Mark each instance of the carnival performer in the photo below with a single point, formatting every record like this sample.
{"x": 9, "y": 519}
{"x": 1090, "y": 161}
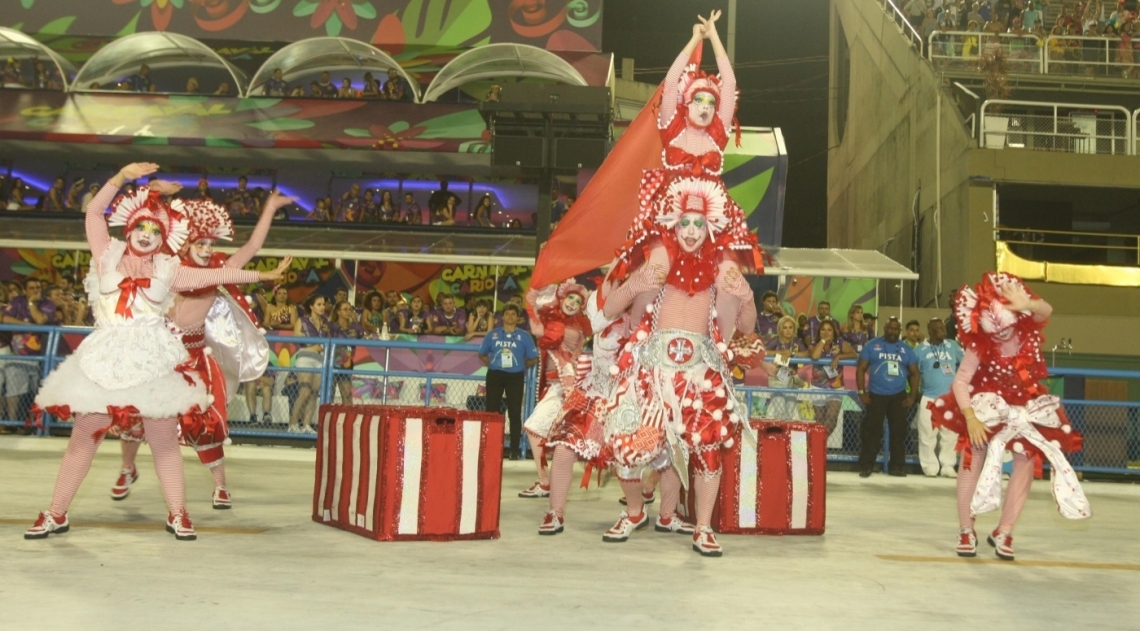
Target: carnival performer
{"x": 560, "y": 329}
{"x": 576, "y": 433}
{"x": 220, "y": 333}
{"x": 997, "y": 403}
{"x": 132, "y": 369}
{"x": 680, "y": 272}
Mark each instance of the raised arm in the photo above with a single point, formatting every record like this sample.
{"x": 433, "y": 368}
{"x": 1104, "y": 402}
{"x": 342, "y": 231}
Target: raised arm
{"x": 1020, "y": 300}
{"x": 96, "y": 224}
{"x": 246, "y": 252}
{"x": 669, "y": 96}
{"x": 727, "y": 100}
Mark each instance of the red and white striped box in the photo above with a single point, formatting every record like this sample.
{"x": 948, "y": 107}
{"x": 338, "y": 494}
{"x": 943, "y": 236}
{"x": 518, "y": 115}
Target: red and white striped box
{"x": 776, "y": 486}
{"x": 409, "y": 474}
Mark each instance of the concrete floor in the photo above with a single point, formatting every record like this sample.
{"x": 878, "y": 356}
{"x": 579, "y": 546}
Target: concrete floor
{"x": 886, "y": 562}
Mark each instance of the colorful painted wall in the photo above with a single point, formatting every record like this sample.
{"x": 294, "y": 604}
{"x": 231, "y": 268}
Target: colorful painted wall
{"x": 571, "y": 25}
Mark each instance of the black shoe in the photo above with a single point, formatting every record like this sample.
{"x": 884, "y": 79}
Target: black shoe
{"x": 515, "y": 455}
{"x": 865, "y": 472}
{"x": 897, "y": 473}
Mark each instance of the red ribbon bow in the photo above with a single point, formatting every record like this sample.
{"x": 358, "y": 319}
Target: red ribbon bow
{"x": 128, "y": 287}
{"x": 710, "y": 161}
{"x": 122, "y": 419}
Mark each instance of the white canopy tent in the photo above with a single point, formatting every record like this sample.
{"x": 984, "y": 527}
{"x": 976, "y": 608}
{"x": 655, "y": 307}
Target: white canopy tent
{"x": 17, "y": 45}
{"x": 496, "y": 61}
{"x": 839, "y": 264}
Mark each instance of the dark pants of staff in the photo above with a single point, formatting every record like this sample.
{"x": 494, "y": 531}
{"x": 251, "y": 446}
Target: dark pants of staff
{"x": 512, "y": 383}
{"x": 871, "y": 434}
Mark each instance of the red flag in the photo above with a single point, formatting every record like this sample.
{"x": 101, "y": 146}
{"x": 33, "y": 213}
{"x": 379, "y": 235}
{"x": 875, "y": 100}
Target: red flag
{"x": 587, "y": 236}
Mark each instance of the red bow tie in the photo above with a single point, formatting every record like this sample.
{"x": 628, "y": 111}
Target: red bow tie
{"x": 128, "y": 287}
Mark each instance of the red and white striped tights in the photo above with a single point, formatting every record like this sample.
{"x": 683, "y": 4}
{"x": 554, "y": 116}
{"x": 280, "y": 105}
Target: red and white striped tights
{"x": 162, "y": 434}
{"x": 1016, "y": 492}
{"x": 218, "y": 470}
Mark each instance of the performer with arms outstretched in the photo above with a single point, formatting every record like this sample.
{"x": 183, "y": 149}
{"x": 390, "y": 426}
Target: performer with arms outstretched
{"x": 131, "y": 369}
{"x": 239, "y": 353}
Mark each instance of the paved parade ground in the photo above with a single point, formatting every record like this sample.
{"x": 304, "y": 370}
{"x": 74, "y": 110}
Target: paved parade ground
{"x": 887, "y": 561}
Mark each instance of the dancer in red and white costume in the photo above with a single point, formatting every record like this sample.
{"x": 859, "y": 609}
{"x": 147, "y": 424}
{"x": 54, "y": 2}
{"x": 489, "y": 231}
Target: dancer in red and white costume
{"x": 576, "y": 433}
{"x": 680, "y": 273}
{"x": 127, "y": 372}
{"x": 220, "y": 333}
{"x": 561, "y": 330}
{"x": 997, "y": 403}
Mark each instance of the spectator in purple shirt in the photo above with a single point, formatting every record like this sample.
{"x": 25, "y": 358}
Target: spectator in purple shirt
{"x": 769, "y": 319}
{"x": 345, "y": 324}
{"x": 21, "y": 378}
{"x": 447, "y": 319}
{"x": 822, "y": 313}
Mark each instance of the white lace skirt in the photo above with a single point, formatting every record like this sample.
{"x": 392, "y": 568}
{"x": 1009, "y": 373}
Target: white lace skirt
{"x": 539, "y": 423}
{"x": 131, "y": 364}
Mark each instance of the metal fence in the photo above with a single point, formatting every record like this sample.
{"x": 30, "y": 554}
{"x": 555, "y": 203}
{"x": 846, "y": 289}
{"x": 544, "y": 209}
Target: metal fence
{"x": 1088, "y": 56}
{"x": 905, "y": 27}
{"x": 964, "y": 50}
{"x": 1111, "y": 429}
{"x": 1069, "y": 55}
{"x": 1064, "y": 127}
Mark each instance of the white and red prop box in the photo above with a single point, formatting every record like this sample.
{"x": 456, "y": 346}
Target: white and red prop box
{"x": 409, "y": 474}
{"x": 777, "y": 486}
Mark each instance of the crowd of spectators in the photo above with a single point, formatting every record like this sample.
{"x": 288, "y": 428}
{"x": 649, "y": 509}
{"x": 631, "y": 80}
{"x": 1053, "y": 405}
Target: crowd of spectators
{"x": 74, "y": 196}
{"x": 380, "y": 206}
{"x": 34, "y": 73}
{"x": 1075, "y": 31}
{"x": 358, "y": 204}
{"x": 395, "y": 88}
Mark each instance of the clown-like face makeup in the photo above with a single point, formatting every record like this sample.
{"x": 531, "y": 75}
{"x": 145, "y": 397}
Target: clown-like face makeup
{"x": 702, "y": 109}
{"x": 201, "y": 251}
{"x": 572, "y": 304}
{"x": 145, "y": 237}
{"x": 692, "y": 230}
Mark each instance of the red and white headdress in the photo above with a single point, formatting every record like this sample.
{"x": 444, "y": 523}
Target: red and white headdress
{"x": 147, "y": 205}
{"x": 982, "y": 312}
{"x": 694, "y": 80}
{"x": 569, "y": 286}
{"x": 208, "y": 220}
{"x": 694, "y": 195}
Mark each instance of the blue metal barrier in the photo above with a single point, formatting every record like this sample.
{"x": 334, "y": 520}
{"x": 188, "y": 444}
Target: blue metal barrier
{"x": 1111, "y": 429}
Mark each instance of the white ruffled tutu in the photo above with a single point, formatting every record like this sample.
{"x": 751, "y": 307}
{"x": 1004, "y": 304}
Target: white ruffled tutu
{"x": 129, "y": 364}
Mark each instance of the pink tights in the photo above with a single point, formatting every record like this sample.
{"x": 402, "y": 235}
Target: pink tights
{"x": 162, "y": 434}
{"x": 706, "y": 490}
{"x": 670, "y": 484}
{"x": 213, "y": 459}
{"x": 561, "y": 476}
{"x": 542, "y": 472}
{"x": 1016, "y": 492}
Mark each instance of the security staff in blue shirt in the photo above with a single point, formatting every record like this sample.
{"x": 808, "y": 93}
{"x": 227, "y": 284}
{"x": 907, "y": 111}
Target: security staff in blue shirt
{"x": 892, "y": 364}
{"x": 507, "y": 352}
{"x": 938, "y": 361}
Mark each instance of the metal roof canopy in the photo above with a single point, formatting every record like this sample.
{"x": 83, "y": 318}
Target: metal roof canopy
{"x": 158, "y": 49}
{"x": 333, "y": 54}
{"x": 494, "y": 61}
{"x": 836, "y": 264}
{"x": 13, "y": 43}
